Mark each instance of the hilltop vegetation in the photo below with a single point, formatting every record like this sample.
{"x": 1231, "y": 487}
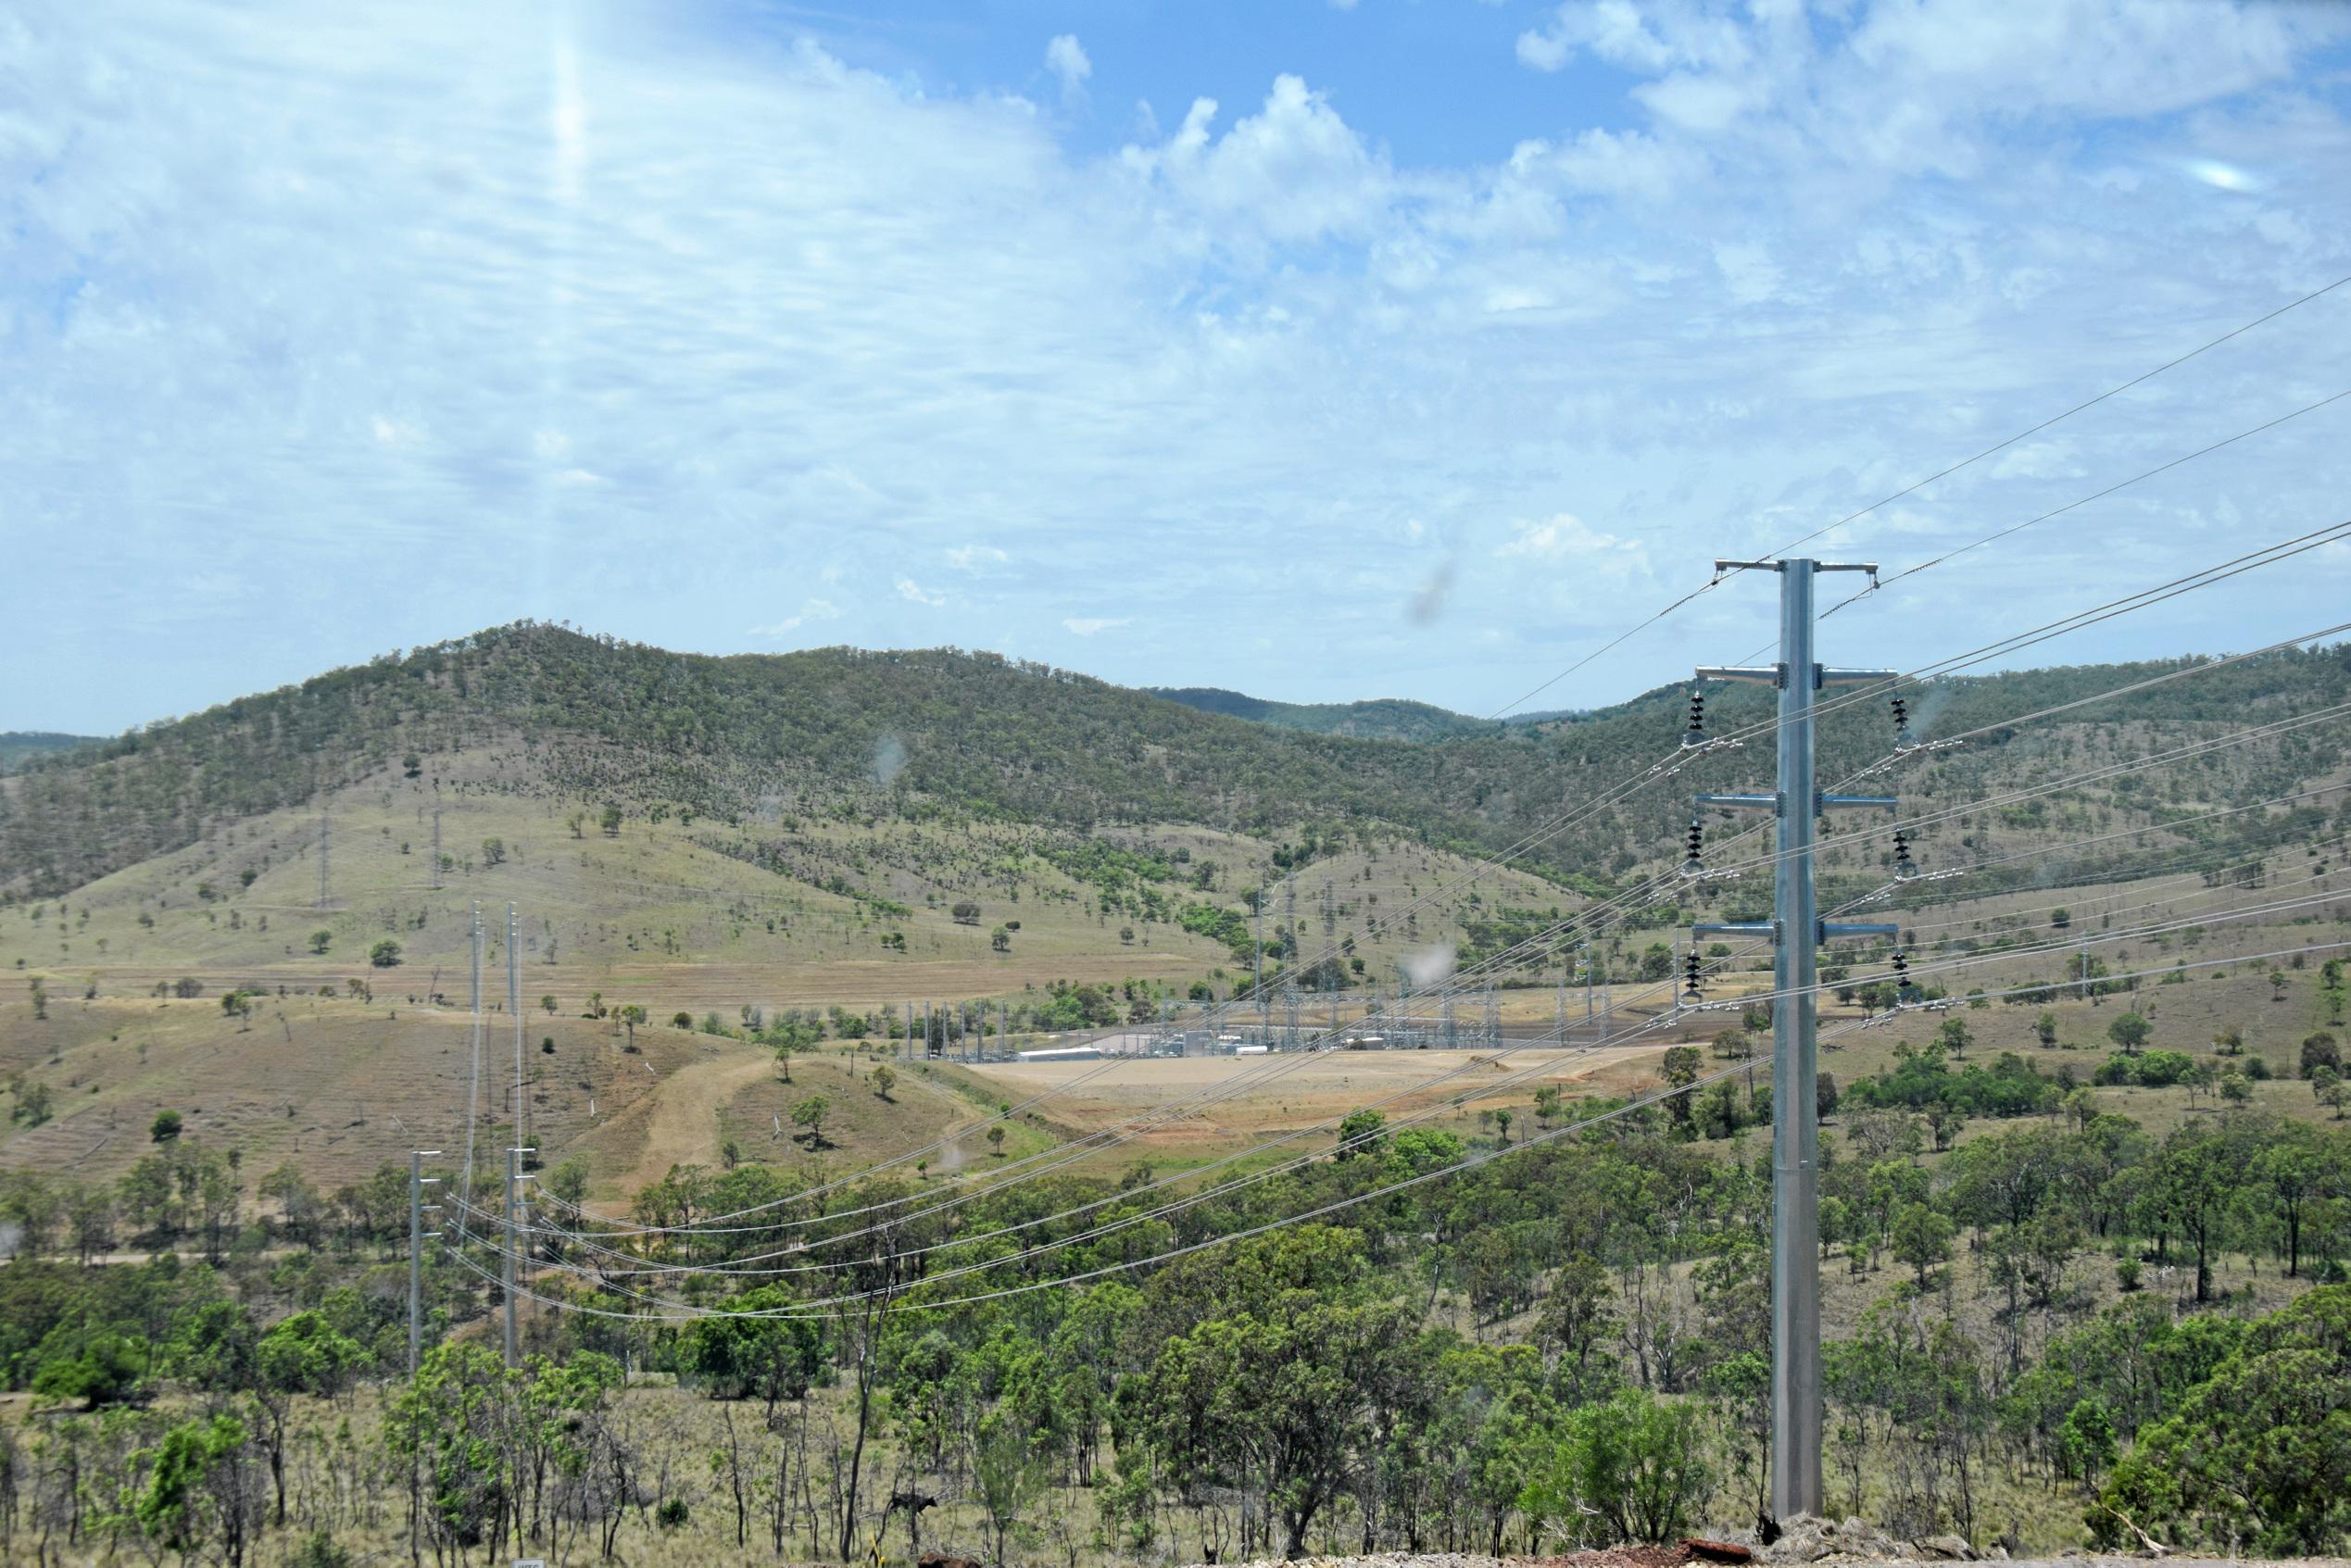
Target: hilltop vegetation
{"x": 843, "y": 734}
{"x": 18, "y": 744}
{"x": 1378, "y": 719}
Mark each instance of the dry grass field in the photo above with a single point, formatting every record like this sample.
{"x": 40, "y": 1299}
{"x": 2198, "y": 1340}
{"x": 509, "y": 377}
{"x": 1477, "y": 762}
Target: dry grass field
{"x": 656, "y": 914}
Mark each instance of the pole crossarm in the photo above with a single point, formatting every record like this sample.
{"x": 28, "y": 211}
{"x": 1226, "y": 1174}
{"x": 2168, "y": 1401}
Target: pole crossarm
{"x": 1865, "y": 802}
{"x": 1831, "y": 930}
{"x": 1762, "y": 674}
{"x": 1739, "y": 928}
{"x": 1868, "y": 566}
{"x": 1748, "y": 802}
{"x": 1826, "y": 677}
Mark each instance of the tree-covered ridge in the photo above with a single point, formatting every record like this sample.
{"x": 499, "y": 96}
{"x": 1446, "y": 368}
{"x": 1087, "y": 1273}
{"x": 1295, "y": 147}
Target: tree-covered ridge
{"x": 750, "y": 737}
{"x": 18, "y": 744}
{"x": 1377, "y": 719}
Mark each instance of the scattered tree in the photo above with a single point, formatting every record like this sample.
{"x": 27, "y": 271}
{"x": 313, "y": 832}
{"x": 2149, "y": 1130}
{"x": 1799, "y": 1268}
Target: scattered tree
{"x": 2130, "y": 1031}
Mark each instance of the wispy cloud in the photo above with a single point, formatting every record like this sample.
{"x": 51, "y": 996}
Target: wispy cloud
{"x": 914, "y": 592}
{"x": 1066, "y": 57}
{"x": 975, "y": 558}
{"x": 1564, "y": 538}
{"x": 812, "y": 610}
{"x": 1087, "y": 625}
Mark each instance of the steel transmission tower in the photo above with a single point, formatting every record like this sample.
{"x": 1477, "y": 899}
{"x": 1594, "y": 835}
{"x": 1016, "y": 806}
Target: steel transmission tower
{"x": 1798, "y": 931}
{"x": 1332, "y": 972}
{"x": 1289, "y": 969}
{"x": 1264, "y": 1016}
{"x": 514, "y": 1005}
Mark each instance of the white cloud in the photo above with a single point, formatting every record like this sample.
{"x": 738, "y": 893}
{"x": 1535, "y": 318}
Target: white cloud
{"x": 1066, "y": 57}
{"x": 1563, "y": 537}
{"x": 1544, "y": 49}
{"x": 1294, "y": 171}
{"x": 811, "y": 610}
{"x": 913, "y": 592}
{"x": 1087, "y": 625}
{"x": 975, "y": 558}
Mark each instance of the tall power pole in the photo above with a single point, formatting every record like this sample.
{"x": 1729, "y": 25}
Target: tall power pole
{"x": 1798, "y": 931}
{"x": 514, "y": 1005}
{"x": 514, "y": 1231}
{"x": 1333, "y": 972}
{"x": 1289, "y": 969}
{"x": 1265, "y": 1025}
{"x": 473, "y": 1080}
{"x": 417, "y": 1235}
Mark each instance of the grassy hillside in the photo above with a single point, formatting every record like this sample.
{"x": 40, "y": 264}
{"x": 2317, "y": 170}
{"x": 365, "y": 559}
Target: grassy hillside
{"x": 844, "y": 829}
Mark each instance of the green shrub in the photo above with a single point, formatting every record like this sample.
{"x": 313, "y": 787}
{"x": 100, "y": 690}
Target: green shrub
{"x": 1629, "y": 1471}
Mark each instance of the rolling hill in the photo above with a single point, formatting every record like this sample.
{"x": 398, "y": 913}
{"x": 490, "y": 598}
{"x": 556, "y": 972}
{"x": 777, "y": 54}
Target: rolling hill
{"x": 1378, "y": 719}
{"x": 810, "y": 841}
{"x": 840, "y": 735}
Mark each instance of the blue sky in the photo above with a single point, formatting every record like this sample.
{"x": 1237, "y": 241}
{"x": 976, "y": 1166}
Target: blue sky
{"x": 1404, "y": 347}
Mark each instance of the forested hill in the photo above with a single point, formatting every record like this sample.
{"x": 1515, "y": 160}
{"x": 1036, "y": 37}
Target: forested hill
{"x": 1378, "y": 719}
{"x": 915, "y": 734}
{"x": 18, "y": 744}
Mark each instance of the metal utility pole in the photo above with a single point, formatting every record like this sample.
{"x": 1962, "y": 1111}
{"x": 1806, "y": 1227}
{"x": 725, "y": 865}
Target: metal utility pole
{"x": 514, "y": 1005}
{"x": 1798, "y": 929}
{"x": 473, "y": 1080}
{"x": 1264, "y": 1024}
{"x": 417, "y": 1235}
{"x": 514, "y": 1229}
{"x": 1289, "y": 969}
{"x": 1333, "y": 971}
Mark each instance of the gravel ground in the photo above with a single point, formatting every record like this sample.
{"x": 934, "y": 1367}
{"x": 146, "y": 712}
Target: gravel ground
{"x": 1670, "y": 1557}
